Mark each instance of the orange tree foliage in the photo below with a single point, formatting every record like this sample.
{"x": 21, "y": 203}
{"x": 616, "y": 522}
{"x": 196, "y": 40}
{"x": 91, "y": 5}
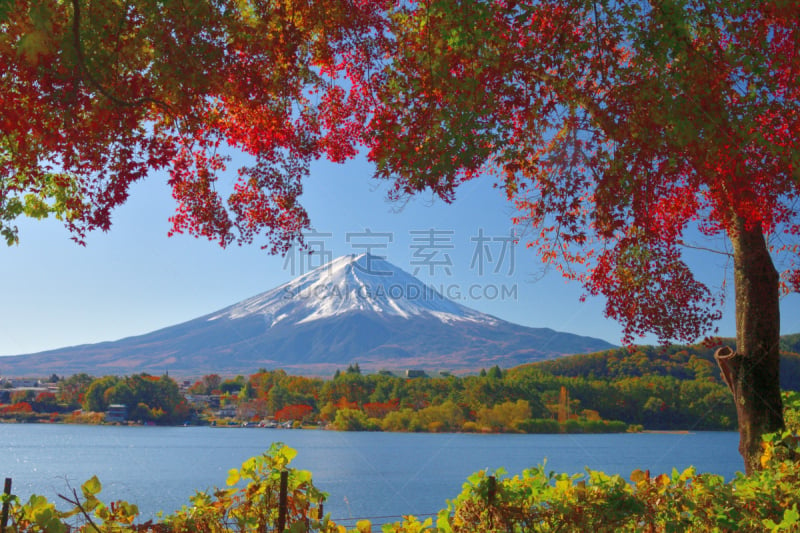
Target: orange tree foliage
{"x": 293, "y": 412}
{"x": 19, "y": 407}
{"x": 381, "y": 409}
{"x": 45, "y": 397}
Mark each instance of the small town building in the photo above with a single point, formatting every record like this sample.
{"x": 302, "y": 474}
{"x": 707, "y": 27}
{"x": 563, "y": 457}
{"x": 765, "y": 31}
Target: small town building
{"x": 117, "y": 412}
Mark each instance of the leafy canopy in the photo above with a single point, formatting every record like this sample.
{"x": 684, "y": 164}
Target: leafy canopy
{"x": 96, "y": 95}
{"x": 618, "y": 129}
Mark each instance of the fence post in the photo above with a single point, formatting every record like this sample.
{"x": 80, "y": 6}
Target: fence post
{"x": 282, "y": 502}
{"x": 491, "y": 491}
{"x": 6, "y": 491}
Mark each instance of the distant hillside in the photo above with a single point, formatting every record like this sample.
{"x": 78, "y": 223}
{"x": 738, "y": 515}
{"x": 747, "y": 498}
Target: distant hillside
{"x": 791, "y": 343}
{"x": 684, "y": 362}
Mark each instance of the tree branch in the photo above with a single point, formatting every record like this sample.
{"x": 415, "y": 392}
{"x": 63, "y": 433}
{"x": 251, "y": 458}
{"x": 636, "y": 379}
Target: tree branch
{"x": 76, "y": 41}
{"x": 703, "y": 248}
{"x": 77, "y": 503}
{"x": 729, "y": 363}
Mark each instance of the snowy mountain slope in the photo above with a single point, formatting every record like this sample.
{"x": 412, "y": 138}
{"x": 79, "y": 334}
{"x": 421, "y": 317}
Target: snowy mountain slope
{"x": 348, "y": 284}
{"x": 354, "y": 309}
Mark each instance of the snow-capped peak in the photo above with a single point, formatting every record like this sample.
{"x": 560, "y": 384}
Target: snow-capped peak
{"x": 352, "y": 283}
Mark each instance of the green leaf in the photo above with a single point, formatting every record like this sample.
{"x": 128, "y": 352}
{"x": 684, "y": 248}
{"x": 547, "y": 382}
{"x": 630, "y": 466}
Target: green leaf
{"x": 790, "y": 521}
{"x": 128, "y": 509}
{"x": 5, "y": 9}
{"x": 286, "y": 453}
{"x": 476, "y": 477}
{"x": 443, "y": 521}
{"x": 791, "y": 516}
{"x": 91, "y": 487}
{"x": 54, "y": 525}
{"x": 36, "y": 207}
{"x": 297, "y": 527}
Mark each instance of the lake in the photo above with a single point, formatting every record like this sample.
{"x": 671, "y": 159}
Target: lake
{"x": 379, "y": 476}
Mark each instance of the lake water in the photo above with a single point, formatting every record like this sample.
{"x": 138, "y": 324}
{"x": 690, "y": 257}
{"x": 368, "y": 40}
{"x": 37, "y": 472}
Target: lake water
{"x": 380, "y": 476}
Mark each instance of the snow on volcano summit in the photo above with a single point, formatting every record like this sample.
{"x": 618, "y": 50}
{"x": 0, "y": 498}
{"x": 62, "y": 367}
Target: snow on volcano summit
{"x": 355, "y": 308}
{"x": 352, "y": 283}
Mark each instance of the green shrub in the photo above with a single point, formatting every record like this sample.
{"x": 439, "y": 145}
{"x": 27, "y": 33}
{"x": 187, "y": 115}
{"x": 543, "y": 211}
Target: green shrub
{"x": 354, "y": 420}
{"x": 538, "y": 500}
{"x": 604, "y": 426}
{"x": 248, "y": 504}
{"x": 539, "y": 425}
{"x": 402, "y": 420}
{"x": 534, "y": 501}
{"x": 791, "y": 411}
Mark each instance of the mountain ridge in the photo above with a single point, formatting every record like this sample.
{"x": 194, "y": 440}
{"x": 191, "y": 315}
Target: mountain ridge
{"x": 357, "y": 308}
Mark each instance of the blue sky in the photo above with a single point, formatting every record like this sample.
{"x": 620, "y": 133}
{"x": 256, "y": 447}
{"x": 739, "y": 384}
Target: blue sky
{"x": 134, "y": 279}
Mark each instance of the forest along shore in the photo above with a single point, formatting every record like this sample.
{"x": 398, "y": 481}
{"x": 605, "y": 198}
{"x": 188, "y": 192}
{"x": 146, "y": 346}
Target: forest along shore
{"x": 652, "y": 389}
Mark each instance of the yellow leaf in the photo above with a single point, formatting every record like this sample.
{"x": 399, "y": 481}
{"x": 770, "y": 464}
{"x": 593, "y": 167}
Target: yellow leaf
{"x": 638, "y": 475}
{"x": 91, "y": 487}
{"x": 563, "y": 485}
{"x": 233, "y": 477}
{"x": 765, "y": 460}
{"x": 687, "y": 474}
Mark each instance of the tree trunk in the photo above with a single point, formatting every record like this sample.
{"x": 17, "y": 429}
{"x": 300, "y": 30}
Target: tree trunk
{"x": 752, "y": 372}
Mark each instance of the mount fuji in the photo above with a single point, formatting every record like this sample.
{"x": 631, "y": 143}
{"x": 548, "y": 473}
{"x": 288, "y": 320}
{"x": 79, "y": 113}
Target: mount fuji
{"x": 357, "y": 308}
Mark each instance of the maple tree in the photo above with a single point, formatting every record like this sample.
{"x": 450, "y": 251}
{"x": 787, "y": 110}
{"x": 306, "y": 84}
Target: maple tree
{"x": 97, "y": 94}
{"x": 293, "y": 412}
{"x": 618, "y": 129}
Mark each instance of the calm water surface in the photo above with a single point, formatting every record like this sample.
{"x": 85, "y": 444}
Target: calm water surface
{"x": 367, "y": 475}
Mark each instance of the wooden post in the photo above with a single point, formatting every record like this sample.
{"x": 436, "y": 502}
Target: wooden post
{"x": 7, "y": 492}
{"x": 321, "y": 514}
{"x": 282, "y": 502}
{"x": 491, "y": 489}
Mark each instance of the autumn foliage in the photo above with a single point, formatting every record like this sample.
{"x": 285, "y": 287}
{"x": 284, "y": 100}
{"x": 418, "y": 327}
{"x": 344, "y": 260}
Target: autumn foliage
{"x": 16, "y": 408}
{"x": 381, "y": 409}
{"x": 624, "y": 133}
{"x": 620, "y": 131}
{"x": 293, "y": 412}
{"x": 122, "y": 90}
